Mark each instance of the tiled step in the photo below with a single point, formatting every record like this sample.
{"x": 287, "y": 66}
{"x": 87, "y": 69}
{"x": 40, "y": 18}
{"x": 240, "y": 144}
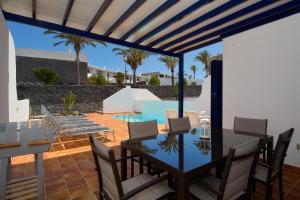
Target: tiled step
{"x": 22, "y": 189}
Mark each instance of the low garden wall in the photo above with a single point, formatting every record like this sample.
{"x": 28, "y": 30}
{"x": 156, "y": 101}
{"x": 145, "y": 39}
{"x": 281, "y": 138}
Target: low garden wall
{"x": 87, "y": 98}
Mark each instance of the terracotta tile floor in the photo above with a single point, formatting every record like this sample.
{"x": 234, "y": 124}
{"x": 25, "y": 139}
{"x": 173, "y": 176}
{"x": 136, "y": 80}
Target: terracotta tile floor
{"x": 69, "y": 167}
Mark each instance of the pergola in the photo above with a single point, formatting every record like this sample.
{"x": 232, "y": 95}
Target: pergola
{"x": 168, "y": 27}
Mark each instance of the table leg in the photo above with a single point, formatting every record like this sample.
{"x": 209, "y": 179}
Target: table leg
{"x": 123, "y": 164}
{"x": 182, "y": 187}
{"x": 8, "y": 169}
{"x": 38, "y": 164}
{"x": 170, "y": 181}
{"x": 3, "y": 177}
{"x": 269, "y": 151}
{"x": 141, "y": 165}
{"x": 219, "y": 169}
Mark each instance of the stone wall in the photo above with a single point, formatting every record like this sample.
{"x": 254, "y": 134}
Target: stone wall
{"x": 88, "y": 98}
{"x": 67, "y": 70}
{"x": 168, "y": 92}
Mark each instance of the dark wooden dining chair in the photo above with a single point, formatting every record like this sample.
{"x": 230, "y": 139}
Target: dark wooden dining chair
{"x": 110, "y": 186}
{"x": 250, "y": 125}
{"x": 237, "y": 176}
{"x": 179, "y": 124}
{"x": 267, "y": 174}
{"x": 139, "y": 130}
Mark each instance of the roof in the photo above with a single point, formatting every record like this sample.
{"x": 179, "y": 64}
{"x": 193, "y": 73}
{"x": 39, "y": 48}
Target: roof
{"x": 34, "y": 53}
{"x": 101, "y": 68}
{"x": 170, "y": 27}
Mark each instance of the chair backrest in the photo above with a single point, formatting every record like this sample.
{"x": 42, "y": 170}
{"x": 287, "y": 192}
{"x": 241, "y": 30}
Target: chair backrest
{"x": 249, "y": 125}
{"x": 194, "y": 119}
{"x": 142, "y": 129}
{"x": 170, "y": 113}
{"x": 205, "y": 113}
{"x": 109, "y": 179}
{"x": 179, "y": 124}
{"x": 239, "y": 168}
{"x": 280, "y": 150}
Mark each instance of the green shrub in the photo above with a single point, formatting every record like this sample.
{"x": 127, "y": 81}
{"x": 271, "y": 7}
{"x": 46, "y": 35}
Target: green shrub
{"x": 154, "y": 80}
{"x": 176, "y": 87}
{"x": 98, "y": 79}
{"x": 193, "y": 83}
{"x": 119, "y": 78}
{"x": 68, "y": 102}
{"x": 46, "y": 76}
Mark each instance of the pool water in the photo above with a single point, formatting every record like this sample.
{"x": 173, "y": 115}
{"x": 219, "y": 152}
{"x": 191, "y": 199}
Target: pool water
{"x": 139, "y": 118}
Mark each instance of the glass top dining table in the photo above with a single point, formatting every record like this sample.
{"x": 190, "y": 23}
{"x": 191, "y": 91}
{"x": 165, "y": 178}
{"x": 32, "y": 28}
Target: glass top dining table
{"x": 188, "y": 154}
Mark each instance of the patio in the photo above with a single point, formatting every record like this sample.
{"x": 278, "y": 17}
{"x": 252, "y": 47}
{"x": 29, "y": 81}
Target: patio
{"x": 70, "y": 173}
{"x": 252, "y": 33}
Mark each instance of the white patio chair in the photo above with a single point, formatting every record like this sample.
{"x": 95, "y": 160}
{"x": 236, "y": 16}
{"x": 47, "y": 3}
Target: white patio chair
{"x": 170, "y": 114}
{"x": 82, "y": 127}
{"x": 194, "y": 119}
{"x": 204, "y": 117}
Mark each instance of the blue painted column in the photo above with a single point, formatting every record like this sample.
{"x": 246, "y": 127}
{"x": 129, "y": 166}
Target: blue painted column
{"x": 180, "y": 85}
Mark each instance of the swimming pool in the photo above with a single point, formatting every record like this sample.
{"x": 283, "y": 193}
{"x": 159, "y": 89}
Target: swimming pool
{"x": 139, "y": 118}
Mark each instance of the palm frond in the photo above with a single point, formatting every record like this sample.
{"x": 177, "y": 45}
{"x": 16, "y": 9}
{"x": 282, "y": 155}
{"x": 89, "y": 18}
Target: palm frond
{"x": 60, "y": 42}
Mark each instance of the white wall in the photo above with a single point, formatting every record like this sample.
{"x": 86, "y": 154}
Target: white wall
{"x": 168, "y": 81}
{"x": 158, "y": 108}
{"x": 8, "y": 89}
{"x": 35, "y": 53}
{"x": 124, "y": 100}
{"x": 261, "y": 78}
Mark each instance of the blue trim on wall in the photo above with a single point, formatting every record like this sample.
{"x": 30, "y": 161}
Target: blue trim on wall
{"x": 98, "y": 14}
{"x": 148, "y": 19}
{"x": 242, "y": 12}
{"x": 125, "y": 15}
{"x": 180, "y": 85}
{"x": 198, "y": 20}
{"x": 274, "y": 14}
{"x": 174, "y": 19}
{"x": 33, "y": 2}
{"x": 67, "y": 12}
{"x": 201, "y": 45}
{"x": 216, "y": 94}
{"x": 57, "y": 27}
{"x": 280, "y": 13}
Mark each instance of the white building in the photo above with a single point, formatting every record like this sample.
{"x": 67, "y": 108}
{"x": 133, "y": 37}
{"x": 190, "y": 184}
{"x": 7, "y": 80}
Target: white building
{"x": 166, "y": 79}
{"x": 110, "y": 74}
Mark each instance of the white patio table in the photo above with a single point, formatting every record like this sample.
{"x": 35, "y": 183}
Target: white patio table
{"x": 22, "y": 138}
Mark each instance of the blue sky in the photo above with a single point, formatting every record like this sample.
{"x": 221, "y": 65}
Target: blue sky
{"x": 26, "y": 36}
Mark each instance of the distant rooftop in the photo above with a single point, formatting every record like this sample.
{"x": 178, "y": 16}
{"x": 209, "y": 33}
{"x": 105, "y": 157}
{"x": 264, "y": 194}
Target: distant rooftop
{"x": 34, "y": 53}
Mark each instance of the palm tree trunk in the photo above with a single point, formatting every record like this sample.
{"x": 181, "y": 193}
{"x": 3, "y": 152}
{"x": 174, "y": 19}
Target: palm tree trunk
{"x": 78, "y": 69}
{"x": 194, "y": 75}
{"x": 206, "y": 71}
{"x": 134, "y": 77}
{"x": 172, "y": 71}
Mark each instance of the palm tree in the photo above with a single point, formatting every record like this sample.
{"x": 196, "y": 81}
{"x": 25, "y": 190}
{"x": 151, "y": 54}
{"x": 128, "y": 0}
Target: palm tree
{"x": 170, "y": 144}
{"x": 134, "y": 58}
{"x": 194, "y": 68}
{"x": 204, "y": 57}
{"x": 78, "y": 43}
{"x": 171, "y": 63}
{"x": 123, "y": 53}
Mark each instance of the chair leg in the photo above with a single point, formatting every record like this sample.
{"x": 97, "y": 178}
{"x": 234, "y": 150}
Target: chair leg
{"x": 268, "y": 194}
{"x": 281, "y": 187}
{"x": 132, "y": 167}
{"x": 148, "y": 167}
{"x": 253, "y": 189}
